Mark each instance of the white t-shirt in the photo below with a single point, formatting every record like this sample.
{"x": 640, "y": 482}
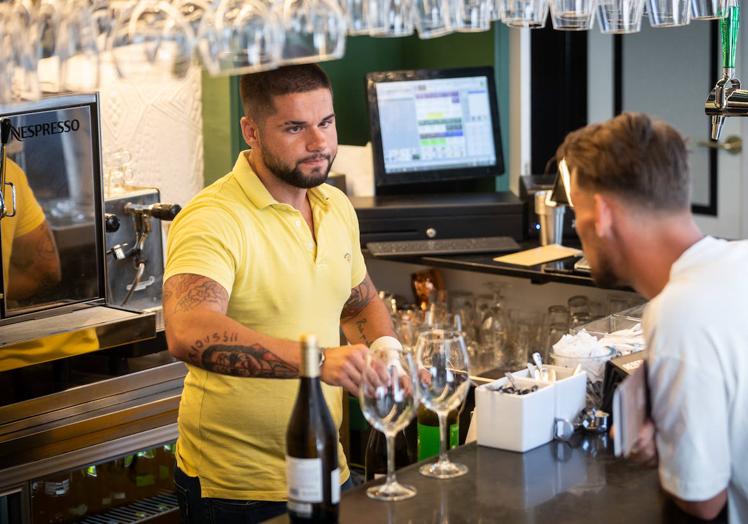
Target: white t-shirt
{"x": 697, "y": 335}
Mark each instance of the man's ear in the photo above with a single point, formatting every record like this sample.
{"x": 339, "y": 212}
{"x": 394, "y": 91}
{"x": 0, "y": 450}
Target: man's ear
{"x": 603, "y": 215}
{"x": 250, "y": 131}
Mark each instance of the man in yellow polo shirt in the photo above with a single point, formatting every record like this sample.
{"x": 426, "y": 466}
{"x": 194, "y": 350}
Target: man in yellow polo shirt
{"x": 264, "y": 254}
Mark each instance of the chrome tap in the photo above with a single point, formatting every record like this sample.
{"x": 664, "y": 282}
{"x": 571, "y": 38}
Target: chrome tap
{"x": 727, "y": 98}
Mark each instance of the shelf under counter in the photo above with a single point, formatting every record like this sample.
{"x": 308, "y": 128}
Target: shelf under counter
{"x": 553, "y": 483}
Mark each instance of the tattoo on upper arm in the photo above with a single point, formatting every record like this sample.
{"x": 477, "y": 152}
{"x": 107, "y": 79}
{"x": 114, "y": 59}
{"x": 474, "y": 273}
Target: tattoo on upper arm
{"x": 361, "y": 296}
{"x": 186, "y": 292}
{"x": 216, "y": 353}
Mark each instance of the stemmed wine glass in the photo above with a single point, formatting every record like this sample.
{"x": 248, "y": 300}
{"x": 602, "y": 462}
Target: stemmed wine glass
{"x": 443, "y": 383}
{"x": 389, "y": 397}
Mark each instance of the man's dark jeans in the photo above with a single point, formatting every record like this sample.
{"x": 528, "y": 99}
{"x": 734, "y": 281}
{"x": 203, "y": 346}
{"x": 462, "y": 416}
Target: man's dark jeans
{"x": 194, "y": 509}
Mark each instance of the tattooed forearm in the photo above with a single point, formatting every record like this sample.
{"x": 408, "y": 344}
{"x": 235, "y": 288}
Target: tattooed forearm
{"x": 246, "y": 361}
{"x": 361, "y": 296}
{"x": 361, "y": 326}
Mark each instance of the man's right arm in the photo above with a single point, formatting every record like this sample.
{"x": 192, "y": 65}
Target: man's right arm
{"x": 199, "y": 332}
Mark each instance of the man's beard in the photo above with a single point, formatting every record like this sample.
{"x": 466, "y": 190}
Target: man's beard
{"x": 603, "y": 272}
{"x": 293, "y": 175}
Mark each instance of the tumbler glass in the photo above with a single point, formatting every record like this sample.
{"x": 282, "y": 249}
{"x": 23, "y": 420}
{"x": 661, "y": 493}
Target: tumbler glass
{"x": 432, "y": 18}
{"x": 314, "y": 31}
{"x": 393, "y": 18}
{"x": 708, "y": 9}
{"x": 620, "y": 16}
{"x": 473, "y": 15}
{"x": 668, "y": 13}
{"x": 524, "y": 13}
{"x": 572, "y": 15}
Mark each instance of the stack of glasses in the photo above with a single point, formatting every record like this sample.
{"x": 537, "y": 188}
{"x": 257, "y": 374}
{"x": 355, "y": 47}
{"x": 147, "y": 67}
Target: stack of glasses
{"x": 56, "y": 45}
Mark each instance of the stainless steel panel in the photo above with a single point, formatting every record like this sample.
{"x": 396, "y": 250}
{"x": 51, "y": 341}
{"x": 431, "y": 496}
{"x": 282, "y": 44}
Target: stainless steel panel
{"x": 82, "y": 331}
{"x": 51, "y": 407}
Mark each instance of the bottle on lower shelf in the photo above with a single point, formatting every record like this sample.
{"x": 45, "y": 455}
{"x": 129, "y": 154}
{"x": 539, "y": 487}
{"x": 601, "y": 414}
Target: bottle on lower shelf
{"x": 429, "y": 432}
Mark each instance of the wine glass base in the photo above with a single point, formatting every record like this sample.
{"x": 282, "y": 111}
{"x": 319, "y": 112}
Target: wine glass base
{"x": 392, "y": 492}
{"x": 443, "y": 470}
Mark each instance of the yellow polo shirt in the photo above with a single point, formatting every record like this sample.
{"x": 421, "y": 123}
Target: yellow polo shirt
{"x": 232, "y": 430}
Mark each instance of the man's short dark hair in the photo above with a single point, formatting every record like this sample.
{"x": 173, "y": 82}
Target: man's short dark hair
{"x": 642, "y": 160}
{"x": 258, "y": 89}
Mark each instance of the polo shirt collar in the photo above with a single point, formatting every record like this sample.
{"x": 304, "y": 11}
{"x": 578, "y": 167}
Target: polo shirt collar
{"x": 258, "y": 193}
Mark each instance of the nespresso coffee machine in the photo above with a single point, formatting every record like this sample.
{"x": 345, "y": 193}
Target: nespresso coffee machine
{"x": 54, "y": 298}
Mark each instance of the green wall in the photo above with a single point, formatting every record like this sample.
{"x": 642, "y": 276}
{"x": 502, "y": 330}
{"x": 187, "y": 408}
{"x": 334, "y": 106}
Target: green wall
{"x": 222, "y": 108}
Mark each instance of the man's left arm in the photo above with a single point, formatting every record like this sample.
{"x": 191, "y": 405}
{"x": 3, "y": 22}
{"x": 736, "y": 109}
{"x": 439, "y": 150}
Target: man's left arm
{"x": 365, "y": 317}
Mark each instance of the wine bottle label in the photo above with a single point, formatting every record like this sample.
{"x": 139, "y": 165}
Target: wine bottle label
{"x": 303, "y": 477}
{"x": 335, "y": 485}
{"x": 428, "y": 440}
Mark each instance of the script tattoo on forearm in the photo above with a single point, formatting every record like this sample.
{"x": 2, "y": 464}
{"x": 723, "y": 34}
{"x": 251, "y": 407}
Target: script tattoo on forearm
{"x": 361, "y": 296}
{"x": 242, "y": 361}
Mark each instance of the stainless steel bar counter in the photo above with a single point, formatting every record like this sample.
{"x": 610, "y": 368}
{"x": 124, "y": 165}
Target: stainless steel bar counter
{"x": 556, "y": 483}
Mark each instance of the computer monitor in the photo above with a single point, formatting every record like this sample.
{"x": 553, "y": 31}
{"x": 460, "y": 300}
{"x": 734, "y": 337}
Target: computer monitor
{"x": 434, "y": 125}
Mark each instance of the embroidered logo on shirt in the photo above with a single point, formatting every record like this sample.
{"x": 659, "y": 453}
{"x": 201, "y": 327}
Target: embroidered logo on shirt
{"x": 347, "y": 257}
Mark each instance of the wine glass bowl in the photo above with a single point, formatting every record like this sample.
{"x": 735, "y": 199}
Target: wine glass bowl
{"x": 443, "y": 384}
{"x": 389, "y": 398}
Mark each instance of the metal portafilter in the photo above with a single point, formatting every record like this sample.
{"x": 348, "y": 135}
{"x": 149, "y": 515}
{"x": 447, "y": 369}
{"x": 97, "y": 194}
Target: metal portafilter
{"x": 143, "y": 215}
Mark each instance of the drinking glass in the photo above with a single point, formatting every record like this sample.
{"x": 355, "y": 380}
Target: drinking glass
{"x": 358, "y": 15}
{"x": 558, "y": 314}
{"x": 443, "y": 383}
{"x": 572, "y": 15}
{"x": 389, "y": 398}
{"x": 668, "y": 13}
{"x": 23, "y": 24}
{"x": 393, "y": 18}
{"x": 77, "y": 48}
{"x": 314, "y": 30}
{"x": 524, "y": 13}
{"x": 620, "y": 16}
{"x": 473, "y": 15}
{"x": 579, "y": 307}
{"x": 152, "y": 43}
{"x": 708, "y": 9}
{"x": 432, "y": 18}
{"x": 243, "y": 36}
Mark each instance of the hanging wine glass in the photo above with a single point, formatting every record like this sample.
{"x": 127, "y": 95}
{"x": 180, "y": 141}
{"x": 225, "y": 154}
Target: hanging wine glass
{"x": 77, "y": 48}
{"x": 473, "y": 15}
{"x": 154, "y": 43}
{"x": 243, "y": 36}
{"x": 524, "y": 13}
{"x": 443, "y": 383}
{"x": 393, "y": 18}
{"x": 358, "y": 15}
{"x": 315, "y": 31}
{"x": 24, "y": 28}
{"x": 432, "y": 18}
{"x": 388, "y": 399}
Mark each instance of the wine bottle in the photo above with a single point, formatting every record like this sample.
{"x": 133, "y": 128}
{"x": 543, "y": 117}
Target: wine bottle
{"x": 375, "y": 460}
{"x": 429, "y": 432}
{"x": 312, "y": 471}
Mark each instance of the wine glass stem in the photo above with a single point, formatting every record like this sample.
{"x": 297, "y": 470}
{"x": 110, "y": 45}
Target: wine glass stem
{"x": 390, "y": 459}
{"x": 443, "y": 437}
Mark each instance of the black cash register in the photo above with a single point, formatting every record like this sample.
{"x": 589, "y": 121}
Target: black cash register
{"x": 433, "y": 133}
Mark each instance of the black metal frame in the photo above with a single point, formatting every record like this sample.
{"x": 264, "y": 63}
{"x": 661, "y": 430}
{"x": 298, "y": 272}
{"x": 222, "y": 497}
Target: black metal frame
{"x": 50, "y": 104}
{"x": 710, "y": 209}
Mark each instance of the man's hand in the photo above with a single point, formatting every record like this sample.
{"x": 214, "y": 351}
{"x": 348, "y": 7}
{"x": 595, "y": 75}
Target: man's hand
{"x": 644, "y": 451}
{"x": 344, "y": 366}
